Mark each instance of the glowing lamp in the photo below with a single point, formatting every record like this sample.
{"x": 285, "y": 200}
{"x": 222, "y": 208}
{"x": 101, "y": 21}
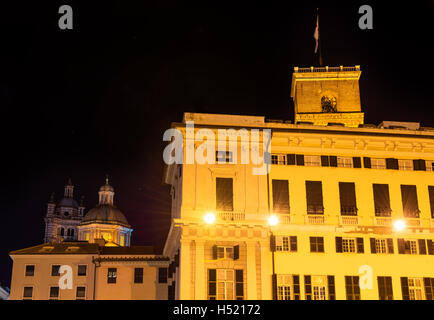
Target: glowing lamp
{"x": 209, "y": 218}
{"x": 399, "y": 225}
{"x": 273, "y": 220}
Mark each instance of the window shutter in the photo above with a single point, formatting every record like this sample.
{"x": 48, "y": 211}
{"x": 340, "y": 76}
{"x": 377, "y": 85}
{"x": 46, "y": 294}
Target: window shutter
{"x": 357, "y": 162}
{"x": 224, "y": 194}
{"x": 422, "y": 246}
{"x": 239, "y": 287}
{"x": 314, "y": 197}
{"x": 381, "y": 199}
{"x": 392, "y": 163}
{"x": 237, "y": 252}
{"x": 308, "y": 287}
{"x": 429, "y": 287}
{"x": 296, "y": 283}
{"x": 431, "y": 199}
{"x": 390, "y": 245}
{"x": 416, "y": 165}
{"x": 338, "y": 244}
{"x": 409, "y": 201}
{"x": 430, "y": 245}
{"x": 293, "y": 243}
{"x": 273, "y": 243}
{"x": 360, "y": 245}
{"x": 290, "y": 159}
{"x": 347, "y": 197}
{"x": 177, "y": 259}
{"x": 214, "y": 252}
{"x": 401, "y": 246}
{"x": 324, "y": 161}
{"x": 422, "y": 165}
{"x": 274, "y": 285}
{"x": 331, "y": 287}
{"x": 366, "y": 162}
{"x": 299, "y": 159}
{"x": 280, "y": 196}
{"x": 404, "y": 287}
{"x": 333, "y": 161}
{"x": 212, "y": 280}
{"x": 373, "y": 247}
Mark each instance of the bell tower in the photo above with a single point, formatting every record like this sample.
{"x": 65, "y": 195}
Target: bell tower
{"x": 327, "y": 96}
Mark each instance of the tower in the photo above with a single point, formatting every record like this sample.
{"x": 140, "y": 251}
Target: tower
{"x": 63, "y": 218}
{"x": 327, "y": 96}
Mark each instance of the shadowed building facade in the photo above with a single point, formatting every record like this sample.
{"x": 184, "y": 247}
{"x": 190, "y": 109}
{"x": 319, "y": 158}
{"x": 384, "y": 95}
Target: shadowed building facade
{"x": 354, "y": 202}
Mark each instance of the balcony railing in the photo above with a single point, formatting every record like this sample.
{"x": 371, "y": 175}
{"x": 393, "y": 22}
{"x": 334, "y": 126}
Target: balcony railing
{"x": 315, "y": 219}
{"x": 349, "y": 220}
{"x": 348, "y": 211}
{"x": 326, "y": 69}
{"x": 383, "y": 212}
{"x": 315, "y": 209}
{"x": 284, "y": 218}
{"x": 412, "y": 222}
{"x": 231, "y": 216}
{"x": 383, "y": 221}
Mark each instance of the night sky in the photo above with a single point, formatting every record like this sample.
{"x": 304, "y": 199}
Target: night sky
{"x": 96, "y": 100}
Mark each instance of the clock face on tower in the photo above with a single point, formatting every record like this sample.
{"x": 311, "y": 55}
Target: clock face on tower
{"x": 328, "y": 104}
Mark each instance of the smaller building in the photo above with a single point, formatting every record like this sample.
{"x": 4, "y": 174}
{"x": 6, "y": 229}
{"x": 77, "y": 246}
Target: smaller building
{"x": 4, "y": 292}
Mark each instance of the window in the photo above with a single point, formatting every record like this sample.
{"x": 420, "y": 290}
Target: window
{"x": 317, "y": 287}
{"x": 225, "y": 252}
{"x": 407, "y": 246}
{"x": 286, "y": 243}
{"x": 385, "y": 290}
{"x": 162, "y": 275}
{"x": 316, "y": 244}
{"x": 352, "y": 287}
{"x": 138, "y": 275}
{"x": 225, "y": 284}
{"x": 377, "y": 163}
{"x": 288, "y": 287}
{"x": 111, "y": 275}
{"x": 312, "y": 161}
{"x": 28, "y": 293}
{"x": 429, "y": 288}
{"x": 347, "y": 196}
{"x": 405, "y": 164}
{"x": 80, "y": 293}
{"x": 383, "y": 246}
{"x": 86, "y": 236}
{"x": 431, "y": 199}
{"x": 224, "y": 194}
{"x": 415, "y": 288}
{"x": 82, "y": 269}
{"x": 429, "y": 165}
{"x": 54, "y": 293}
{"x": 30, "y": 270}
{"x": 107, "y": 236}
{"x": 345, "y": 162}
{"x": 381, "y": 200}
{"x": 280, "y": 196}
{"x": 223, "y": 157}
{"x": 55, "y": 270}
{"x": 350, "y": 245}
{"x": 409, "y": 201}
{"x": 278, "y": 159}
{"x": 314, "y": 197}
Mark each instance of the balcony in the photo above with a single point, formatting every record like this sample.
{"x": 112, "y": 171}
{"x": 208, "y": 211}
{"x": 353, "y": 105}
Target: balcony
{"x": 383, "y": 221}
{"x": 315, "y": 219}
{"x": 284, "y": 219}
{"x": 349, "y": 220}
{"x": 315, "y": 209}
{"x": 231, "y": 216}
{"x": 412, "y": 222}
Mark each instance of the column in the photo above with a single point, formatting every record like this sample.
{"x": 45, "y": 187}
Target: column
{"x": 200, "y": 276}
{"x": 252, "y": 292}
{"x": 184, "y": 283}
{"x": 266, "y": 271}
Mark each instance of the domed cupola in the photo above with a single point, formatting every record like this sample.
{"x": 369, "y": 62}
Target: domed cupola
{"x": 105, "y": 221}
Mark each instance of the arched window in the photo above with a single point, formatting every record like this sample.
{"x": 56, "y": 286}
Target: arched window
{"x": 62, "y": 232}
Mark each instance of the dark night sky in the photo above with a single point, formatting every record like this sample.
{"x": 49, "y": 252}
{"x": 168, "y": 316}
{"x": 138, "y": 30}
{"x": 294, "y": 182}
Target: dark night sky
{"x": 97, "y": 99}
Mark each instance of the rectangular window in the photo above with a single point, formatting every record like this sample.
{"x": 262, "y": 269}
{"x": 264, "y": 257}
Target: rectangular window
{"x": 316, "y": 287}
{"x": 415, "y": 288}
{"x": 312, "y": 161}
{"x": 347, "y": 196}
{"x": 225, "y": 284}
{"x": 138, "y": 275}
{"x": 279, "y": 159}
{"x": 280, "y": 196}
{"x": 30, "y": 270}
{"x": 54, "y": 293}
{"x": 288, "y": 287}
{"x": 55, "y": 270}
{"x": 381, "y": 200}
{"x": 405, "y": 164}
{"x": 428, "y": 284}
{"x": 80, "y": 293}
{"x": 162, "y": 275}
{"x": 377, "y": 163}
{"x": 316, "y": 244}
{"x": 345, "y": 162}
{"x": 111, "y": 275}
{"x": 406, "y": 246}
{"x": 224, "y": 252}
{"x": 223, "y": 157}
{"x": 28, "y": 293}
{"x": 352, "y": 287}
{"x": 348, "y": 245}
{"x": 224, "y": 194}
{"x": 288, "y": 244}
{"x": 314, "y": 197}
{"x": 82, "y": 270}
{"x": 431, "y": 199}
{"x": 385, "y": 290}
{"x": 384, "y": 246}
{"x": 409, "y": 201}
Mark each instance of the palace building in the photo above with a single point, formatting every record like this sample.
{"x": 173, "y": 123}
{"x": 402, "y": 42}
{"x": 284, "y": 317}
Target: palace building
{"x": 346, "y": 210}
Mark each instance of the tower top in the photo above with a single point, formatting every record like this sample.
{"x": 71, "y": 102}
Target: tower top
{"x": 324, "y": 95}
{"x": 69, "y": 189}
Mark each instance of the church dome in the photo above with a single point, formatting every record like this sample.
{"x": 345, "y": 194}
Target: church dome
{"x": 105, "y": 214}
{"x": 68, "y": 202}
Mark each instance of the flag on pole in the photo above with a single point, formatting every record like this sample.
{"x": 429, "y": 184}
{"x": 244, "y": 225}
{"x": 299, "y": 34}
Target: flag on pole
{"x": 316, "y": 33}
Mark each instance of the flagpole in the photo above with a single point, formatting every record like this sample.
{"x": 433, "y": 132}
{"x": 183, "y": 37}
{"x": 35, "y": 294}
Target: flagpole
{"x": 319, "y": 40}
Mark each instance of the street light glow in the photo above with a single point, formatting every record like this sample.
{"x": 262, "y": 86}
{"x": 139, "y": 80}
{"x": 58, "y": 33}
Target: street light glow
{"x": 273, "y": 220}
{"x": 209, "y": 218}
{"x": 399, "y": 225}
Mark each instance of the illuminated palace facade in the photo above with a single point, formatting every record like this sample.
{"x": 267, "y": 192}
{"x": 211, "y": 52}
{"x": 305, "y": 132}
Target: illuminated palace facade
{"x": 354, "y": 203}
